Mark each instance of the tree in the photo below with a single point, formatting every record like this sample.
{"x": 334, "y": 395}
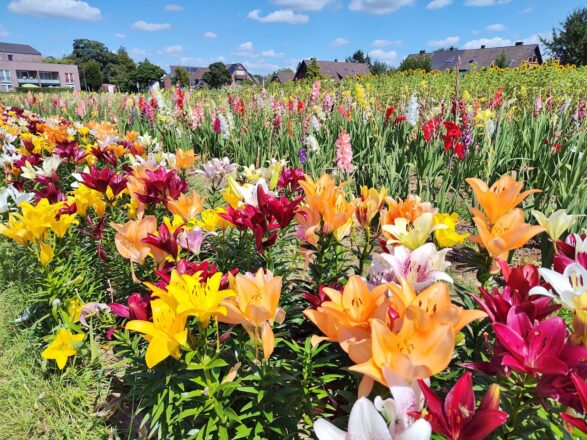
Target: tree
{"x": 379, "y": 68}
{"x": 359, "y": 57}
{"x": 569, "y": 44}
{"x": 502, "y": 60}
{"x": 313, "y": 73}
{"x": 147, "y": 73}
{"x": 417, "y": 62}
{"x": 122, "y": 74}
{"x": 217, "y": 76}
{"x": 92, "y": 77}
{"x": 85, "y": 50}
{"x": 181, "y": 77}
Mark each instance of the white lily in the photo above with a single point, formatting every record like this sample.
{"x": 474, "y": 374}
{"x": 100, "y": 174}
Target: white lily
{"x": 557, "y": 223}
{"x": 28, "y": 171}
{"x": 570, "y": 284}
{"x": 421, "y": 267}
{"x": 367, "y": 423}
{"x": 4, "y": 206}
{"x": 50, "y": 165}
{"x": 248, "y": 192}
{"x": 20, "y": 197}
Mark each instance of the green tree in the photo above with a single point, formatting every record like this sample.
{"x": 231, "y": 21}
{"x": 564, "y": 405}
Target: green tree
{"x": 217, "y": 76}
{"x": 569, "y": 44}
{"x": 313, "y": 73}
{"x": 379, "y": 68}
{"x": 417, "y": 62}
{"x": 146, "y": 74}
{"x": 123, "y": 72}
{"x": 92, "y": 77}
{"x": 85, "y": 50}
{"x": 181, "y": 77}
{"x": 359, "y": 57}
{"x": 502, "y": 60}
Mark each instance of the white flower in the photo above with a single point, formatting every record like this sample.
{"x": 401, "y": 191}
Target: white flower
{"x": 28, "y": 172}
{"x": 4, "y": 205}
{"x": 556, "y": 224}
{"x": 570, "y": 284}
{"x": 312, "y": 143}
{"x": 412, "y": 111}
{"x": 50, "y": 165}
{"x": 20, "y": 197}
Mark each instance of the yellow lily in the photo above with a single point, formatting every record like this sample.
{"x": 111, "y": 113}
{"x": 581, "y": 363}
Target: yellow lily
{"x": 368, "y": 205}
{"x": 413, "y": 236}
{"x": 556, "y": 224}
{"x": 62, "y": 347}
{"x": 448, "y": 237}
{"x": 165, "y": 334}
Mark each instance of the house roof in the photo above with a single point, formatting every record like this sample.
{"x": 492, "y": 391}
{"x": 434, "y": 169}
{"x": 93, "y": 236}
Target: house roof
{"x": 482, "y": 57}
{"x": 284, "y": 76}
{"x": 339, "y": 70}
{"x": 24, "y": 49}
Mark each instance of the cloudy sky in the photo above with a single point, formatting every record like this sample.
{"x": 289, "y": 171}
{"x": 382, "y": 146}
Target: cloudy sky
{"x": 268, "y": 34}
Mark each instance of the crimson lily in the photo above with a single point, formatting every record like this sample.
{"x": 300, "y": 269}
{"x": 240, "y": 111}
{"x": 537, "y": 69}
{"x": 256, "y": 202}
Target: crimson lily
{"x": 289, "y": 178}
{"x": 281, "y": 209}
{"x": 102, "y": 179}
{"x": 139, "y": 307}
{"x": 581, "y": 387}
{"x": 161, "y": 184}
{"x": 164, "y": 240}
{"x": 457, "y": 418}
{"x": 572, "y": 250}
{"x": 252, "y": 218}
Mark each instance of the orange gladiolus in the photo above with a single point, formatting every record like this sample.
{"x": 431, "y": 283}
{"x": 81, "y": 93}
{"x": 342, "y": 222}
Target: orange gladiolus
{"x": 369, "y": 205}
{"x": 128, "y": 238}
{"x": 187, "y": 206}
{"x": 256, "y": 307}
{"x": 508, "y": 233}
{"x": 503, "y": 196}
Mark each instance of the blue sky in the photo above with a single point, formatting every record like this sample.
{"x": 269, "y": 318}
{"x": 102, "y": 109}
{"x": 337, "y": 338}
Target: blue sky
{"x": 269, "y": 34}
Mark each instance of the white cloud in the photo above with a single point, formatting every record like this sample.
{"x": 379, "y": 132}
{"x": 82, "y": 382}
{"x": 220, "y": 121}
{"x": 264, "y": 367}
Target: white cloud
{"x": 386, "y": 43}
{"x": 246, "y": 47}
{"x": 3, "y": 31}
{"x": 446, "y": 42}
{"x": 379, "y": 6}
{"x": 303, "y": 5}
{"x": 279, "y": 16}
{"x": 527, "y": 10}
{"x": 439, "y": 4}
{"x": 260, "y": 67}
{"x": 176, "y": 49}
{"x": 485, "y": 2}
{"x": 272, "y": 54}
{"x": 339, "y": 42}
{"x": 487, "y": 42}
{"x": 71, "y": 9}
{"x": 150, "y": 27}
{"x": 381, "y": 55}
{"x": 173, "y": 7}
{"x": 210, "y": 35}
{"x": 120, "y": 35}
{"x": 138, "y": 54}
{"x": 497, "y": 27}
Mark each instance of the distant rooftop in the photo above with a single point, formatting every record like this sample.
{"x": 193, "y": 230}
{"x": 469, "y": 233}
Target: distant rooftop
{"x": 24, "y": 49}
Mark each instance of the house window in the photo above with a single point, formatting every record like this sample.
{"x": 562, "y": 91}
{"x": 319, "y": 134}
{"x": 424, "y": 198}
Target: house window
{"x": 10, "y": 57}
{"x": 68, "y": 77}
{"x": 5, "y": 81}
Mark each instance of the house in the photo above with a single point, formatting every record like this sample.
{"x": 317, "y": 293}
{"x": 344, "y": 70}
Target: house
{"x": 483, "y": 57}
{"x": 20, "y": 65}
{"x": 283, "y": 76}
{"x": 334, "y": 69}
{"x": 238, "y": 72}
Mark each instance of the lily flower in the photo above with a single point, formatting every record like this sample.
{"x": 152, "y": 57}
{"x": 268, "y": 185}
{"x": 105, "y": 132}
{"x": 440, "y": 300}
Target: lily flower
{"x": 420, "y": 268}
{"x": 138, "y": 308}
{"x": 570, "y": 284}
{"x": 499, "y": 199}
{"x": 411, "y": 208}
{"x": 192, "y": 240}
{"x": 448, "y": 237}
{"x": 509, "y": 232}
{"x": 556, "y": 224}
{"x": 104, "y": 180}
{"x": 165, "y": 334}
{"x": 256, "y": 307}
{"x": 368, "y": 205}
{"x": 129, "y": 238}
{"x": 187, "y": 206}
{"x": 90, "y": 309}
{"x": 578, "y": 422}
{"x": 63, "y": 346}
{"x": 163, "y": 241}
{"x": 572, "y": 250}
{"x": 457, "y": 418}
{"x": 412, "y": 236}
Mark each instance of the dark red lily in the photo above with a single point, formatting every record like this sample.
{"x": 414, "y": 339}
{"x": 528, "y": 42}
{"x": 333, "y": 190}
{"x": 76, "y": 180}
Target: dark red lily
{"x": 316, "y": 299}
{"x": 138, "y": 307}
{"x": 164, "y": 240}
{"x": 102, "y": 179}
{"x": 96, "y": 232}
{"x": 578, "y": 422}
{"x": 160, "y": 185}
{"x": 457, "y": 418}
{"x": 69, "y": 150}
{"x": 252, "y": 218}
{"x": 567, "y": 253}
{"x": 289, "y": 178}
{"x": 279, "y": 208}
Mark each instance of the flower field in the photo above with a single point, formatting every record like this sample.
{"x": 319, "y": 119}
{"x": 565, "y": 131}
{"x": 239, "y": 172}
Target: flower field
{"x": 401, "y": 256}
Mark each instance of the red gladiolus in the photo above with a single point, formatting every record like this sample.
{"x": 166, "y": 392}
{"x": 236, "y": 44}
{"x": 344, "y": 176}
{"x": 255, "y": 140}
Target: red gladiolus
{"x": 452, "y": 139}
{"x": 581, "y": 387}
{"x": 399, "y": 119}
{"x": 457, "y": 418}
{"x": 102, "y": 179}
{"x": 430, "y": 128}
{"x": 389, "y": 113}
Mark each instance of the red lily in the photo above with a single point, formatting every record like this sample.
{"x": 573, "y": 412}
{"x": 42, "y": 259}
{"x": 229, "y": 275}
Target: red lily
{"x": 96, "y": 232}
{"x": 289, "y": 178}
{"x": 139, "y": 307}
{"x": 280, "y": 209}
{"x": 164, "y": 240}
{"x": 567, "y": 253}
{"x": 161, "y": 184}
{"x": 102, "y": 179}
{"x": 316, "y": 299}
{"x": 457, "y": 419}
{"x": 69, "y": 150}
{"x": 252, "y": 218}
{"x": 581, "y": 387}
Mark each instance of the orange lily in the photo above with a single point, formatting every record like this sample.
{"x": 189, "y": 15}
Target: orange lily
{"x": 503, "y": 196}
{"x": 411, "y": 208}
{"x": 187, "y": 206}
{"x": 369, "y": 205}
{"x": 184, "y": 159}
{"x": 129, "y": 238}
{"x": 255, "y": 307}
{"x": 508, "y": 233}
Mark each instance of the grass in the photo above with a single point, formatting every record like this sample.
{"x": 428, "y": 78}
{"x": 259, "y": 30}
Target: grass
{"x": 37, "y": 400}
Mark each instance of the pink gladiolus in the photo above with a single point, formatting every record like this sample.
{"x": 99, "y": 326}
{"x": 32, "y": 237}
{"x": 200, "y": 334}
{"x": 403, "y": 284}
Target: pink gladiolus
{"x": 344, "y": 152}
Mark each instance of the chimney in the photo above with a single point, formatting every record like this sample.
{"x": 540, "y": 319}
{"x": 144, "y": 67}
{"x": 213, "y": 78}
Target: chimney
{"x": 519, "y": 43}
{"x": 336, "y": 60}
{"x": 451, "y": 48}
{"x": 422, "y": 52}
{"x": 483, "y": 46}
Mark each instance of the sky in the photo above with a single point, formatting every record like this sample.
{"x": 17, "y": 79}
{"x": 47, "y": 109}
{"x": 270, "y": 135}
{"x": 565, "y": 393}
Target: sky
{"x": 266, "y": 35}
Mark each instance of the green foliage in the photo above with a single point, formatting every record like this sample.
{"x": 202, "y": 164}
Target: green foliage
{"x": 359, "y": 57}
{"x": 181, "y": 76}
{"x": 417, "y": 62}
{"x": 502, "y": 60}
{"x": 122, "y": 74}
{"x": 569, "y": 44}
{"x": 218, "y": 76}
{"x": 313, "y": 73}
{"x": 379, "y": 68}
{"x": 147, "y": 73}
{"x": 91, "y": 76}
{"x": 44, "y": 89}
